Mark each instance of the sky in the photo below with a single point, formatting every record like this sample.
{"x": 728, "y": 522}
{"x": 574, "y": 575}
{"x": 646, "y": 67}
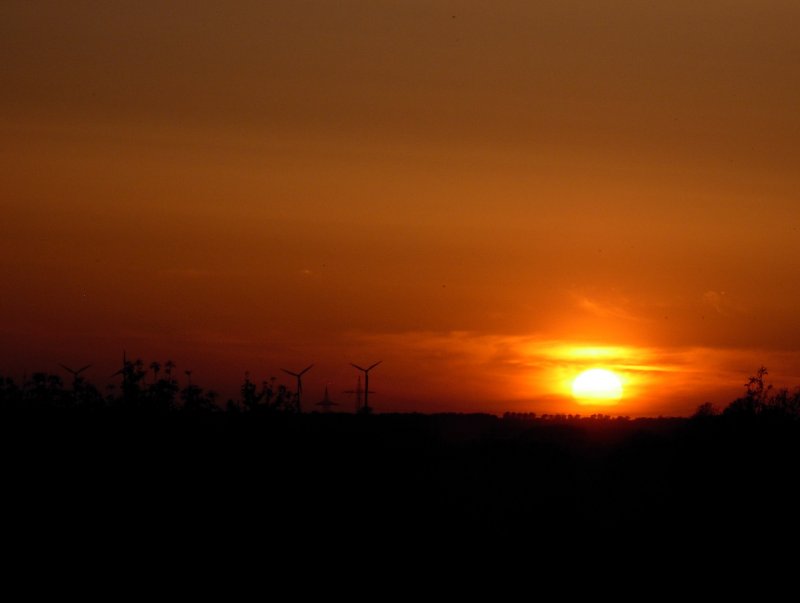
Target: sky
{"x": 488, "y": 197}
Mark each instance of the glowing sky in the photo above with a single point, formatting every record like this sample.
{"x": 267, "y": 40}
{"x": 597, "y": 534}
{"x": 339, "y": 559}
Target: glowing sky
{"x": 489, "y": 197}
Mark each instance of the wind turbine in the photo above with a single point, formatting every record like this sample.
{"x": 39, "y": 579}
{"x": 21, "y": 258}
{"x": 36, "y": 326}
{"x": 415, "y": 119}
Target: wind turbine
{"x": 76, "y": 375}
{"x": 299, "y": 383}
{"x": 366, "y": 371}
{"x": 124, "y": 370}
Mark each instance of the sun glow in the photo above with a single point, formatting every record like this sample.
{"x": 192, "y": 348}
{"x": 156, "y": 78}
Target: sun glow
{"x": 597, "y": 386}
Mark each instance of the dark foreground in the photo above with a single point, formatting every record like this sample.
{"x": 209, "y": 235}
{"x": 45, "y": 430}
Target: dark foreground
{"x": 176, "y": 478}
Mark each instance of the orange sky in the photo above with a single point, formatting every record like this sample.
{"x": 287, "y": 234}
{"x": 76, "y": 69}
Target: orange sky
{"x": 487, "y": 196}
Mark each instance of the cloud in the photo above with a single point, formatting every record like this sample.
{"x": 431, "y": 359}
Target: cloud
{"x": 720, "y": 302}
{"x": 605, "y": 309}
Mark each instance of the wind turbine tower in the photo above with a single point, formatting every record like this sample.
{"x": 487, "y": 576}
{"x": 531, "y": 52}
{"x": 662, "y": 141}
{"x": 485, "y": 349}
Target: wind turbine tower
{"x": 366, "y": 408}
{"x": 299, "y": 383}
{"x": 124, "y": 370}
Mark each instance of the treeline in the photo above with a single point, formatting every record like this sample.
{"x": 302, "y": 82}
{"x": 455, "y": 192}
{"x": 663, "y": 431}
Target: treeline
{"x": 761, "y": 400}
{"x": 147, "y": 388}
{"x": 563, "y": 417}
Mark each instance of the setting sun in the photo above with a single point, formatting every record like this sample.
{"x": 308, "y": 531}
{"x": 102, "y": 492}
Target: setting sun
{"x": 597, "y": 386}
{"x": 387, "y": 181}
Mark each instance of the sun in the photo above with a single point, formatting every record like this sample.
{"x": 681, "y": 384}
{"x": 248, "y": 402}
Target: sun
{"x": 597, "y": 386}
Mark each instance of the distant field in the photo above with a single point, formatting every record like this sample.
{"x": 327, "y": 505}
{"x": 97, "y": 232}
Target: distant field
{"x": 395, "y": 474}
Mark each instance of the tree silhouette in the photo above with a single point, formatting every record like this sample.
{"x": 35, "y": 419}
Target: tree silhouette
{"x": 196, "y": 400}
{"x": 762, "y": 400}
{"x": 155, "y": 367}
{"x": 784, "y": 404}
{"x": 162, "y": 393}
{"x": 706, "y": 409}
{"x": 168, "y": 366}
{"x": 250, "y": 398}
{"x": 756, "y": 396}
{"x": 132, "y": 377}
{"x": 757, "y": 389}
{"x": 44, "y": 390}
{"x": 9, "y": 393}
{"x": 268, "y": 399}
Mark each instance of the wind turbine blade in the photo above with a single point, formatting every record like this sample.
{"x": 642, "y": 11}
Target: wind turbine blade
{"x": 306, "y": 369}
{"x": 290, "y": 373}
{"x": 358, "y": 367}
{"x": 80, "y": 370}
{"x": 374, "y": 365}
{"x": 119, "y": 372}
{"x": 66, "y": 368}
